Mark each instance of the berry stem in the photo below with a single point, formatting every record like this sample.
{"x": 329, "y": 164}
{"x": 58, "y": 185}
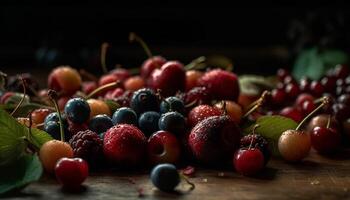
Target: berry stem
{"x": 53, "y": 96}
{"x": 257, "y": 104}
{"x": 328, "y": 121}
{"x": 253, "y": 133}
{"x": 224, "y": 107}
{"x": 194, "y": 63}
{"x": 325, "y": 101}
{"x": 22, "y": 99}
{"x": 184, "y": 177}
{"x": 103, "y": 87}
{"x": 133, "y": 37}
{"x": 104, "y": 48}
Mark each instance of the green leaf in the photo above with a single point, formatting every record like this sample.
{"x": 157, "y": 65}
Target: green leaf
{"x": 39, "y": 137}
{"x": 24, "y": 109}
{"x": 255, "y": 85}
{"x": 25, "y": 170}
{"x": 271, "y": 127}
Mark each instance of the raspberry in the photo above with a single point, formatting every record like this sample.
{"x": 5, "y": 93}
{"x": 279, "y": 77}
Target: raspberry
{"x": 87, "y": 145}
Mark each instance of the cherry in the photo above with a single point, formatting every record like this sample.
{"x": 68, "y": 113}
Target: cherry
{"x": 316, "y": 88}
{"x": 304, "y": 84}
{"x": 282, "y": 73}
{"x": 65, "y": 80}
{"x": 98, "y": 107}
{"x": 248, "y": 161}
{"x": 292, "y": 90}
{"x": 341, "y": 111}
{"x": 328, "y": 83}
{"x": 302, "y": 98}
{"x": 278, "y": 96}
{"x": 292, "y": 113}
{"x": 289, "y": 80}
{"x": 322, "y": 121}
{"x": 134, "y": 83}
{"x": 71, "y": 172}
{"x": 39, "y": 115}
{"x": 344, "y": 99}
{"x": 307, "y": 107}
{"x": 192, "y": 77}
{"x": 325, "y": 139}
{"x": 341, "y": 71}
{"x": 232, "y": 109}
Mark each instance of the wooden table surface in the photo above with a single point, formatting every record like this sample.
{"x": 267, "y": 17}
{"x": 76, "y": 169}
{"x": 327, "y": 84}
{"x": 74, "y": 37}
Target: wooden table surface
{"x": 316, "y": 177}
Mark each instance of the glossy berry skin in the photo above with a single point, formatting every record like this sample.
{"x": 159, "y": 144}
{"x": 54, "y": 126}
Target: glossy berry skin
{"x": 163, "y": 147}
{"x": 341, "y": 71}
{"x": 316, "y": 88}
{"x": 222, "y": 85}
{"x": 202, "y": 112}
{"x": 53, "y": 128}
{"x": 54, "y": 117}
{"x": 292, "y": 113}
{"x": 71, "y": 172}
{"x": 112, "y": 94}
{"x": 125, "y": 145}
{"x": 39, "y": 115}
{"x": 108, "y": 78}
{"x": 233, "y": 109}
{"x": 321, "y": 121}
{"x": 124, "y": 115}
{"x": 173, "y": 122}
{"x": 121, "y": 73}
{"x": 98, "y": 107}
{"x": 77, "y": 110}
{"x": 282, "y": 74}
{"x": 148, "y": 122}
{"x": 341, "y": 111}
{"x": 197, "y": 95}
{"x": 308, "y": 107}
{"x": 214, "y": 140}
{"x": 169, "y": 79}
{"x": 292, "y": 90}
{"x": 165, "y": 177}
{"x": 192, "y": 77}
{"x": 248, "y": 161}
{"x": 325, "y": 140}
{"x": 302, "y": 98}
{"x": 53, "y": 150}
{"x": 150, "y": 65}
{"x": 294, "y": 145}
{"x": 144, "y": 100}
{"x": 134, "y": 83}
{"x": 329, "y": 83}
{"x": 174, "y": 103}
{"x": 344, "y": 99}
{"x": 304, "y": 84}
{"x": 278, "y": 96}
{"x": 88, "y": 86}
{"x": 259, "y": 142}
{"x": 100, "y": 123}
{"x": 64, "y": 80}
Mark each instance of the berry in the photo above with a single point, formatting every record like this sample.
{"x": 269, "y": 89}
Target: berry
{"x": 344, "y": 99}
{"x": 75, "y": 128}
{"x": 192, "y": 77}
{"x": 77, "y": 110}
{"x": 248, "y": 161}
{"x": 292, "y": 90}
{"x": 321, "y": 121}
{"x": 124, "y": 100}
{"x": 163, "y": 147}
{"x": 172, "y": 104}
{"x": 150, "y": 65}
{"x": 120, "y": 73}
{"x": 165, "y": 177}
{"x": 294, "y": 145}
{"x": 329, "y": 83}
{"x": 39, "y": 115}
{"x": 53, "y": 128}
{"x": 124, "y": 145}
{"x": 53, "y": 150}
{"x": 214, "y": 140}
{"x": 341, "y": 111}
{"x": 221, "y": 84}
{"x": 341, "y": 71}
{"x": 169, "y": 79}
{"x": 144, "y": 100}
{"x": 71, "y": 172}
{"x": 325, "y": 140}
{"x": 98, "y": 107}
{"x": 148, "y": 122}
{"x": 108, "y": 78}
{"x": 100, "y": 123}
{"x": 202, "y": 112}
{"x": 14, "y": 83}
{"x": 257, "y": 141}
{"x": 316, "y": 88}
{"x": 65, "y": 80}
{"x": 308, "y": 107}
{"x": 112, "y": 94}
{"x": 278, "y": 96}
{"x": 87, "y": 145}
{"x": 200, "y": 95}
{"x": 124, "y": 115}
{"x": 292, "y": 113}
{"x": 89, "y": 86}
{"x": 289, "y": 80}
{"x": 304, "y": 84}
{"x": 233, "y": 109}
{"x": 173, "y": 122}
{"x": 302, "y": 98}
{"x": 282, "y": 74}
{"x": 134, "y": 83}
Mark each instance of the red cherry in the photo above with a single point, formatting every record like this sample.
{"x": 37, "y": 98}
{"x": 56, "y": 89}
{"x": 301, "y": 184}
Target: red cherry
{"x": 304, "y": 84}
{"x": 317, "y": 89}
{"x": 278, "y": 96}
{"x": 325, "y": 140}
{"x": 117, "y": 92}
{"x": 329, "y": 83}
{"x": 163, "y": 147}
{"x": 292, "y": 113}
{"x": 120, "y": 73}
{"x": 202, "y": 112}
{"x": 88, "y": 86}
{"x": 302, "y": 98}
{"x": 248, "y": 161}
{"x": 71, "y": 172}
{"x": 292, "y": 90}
{"x": 282, "y": 73}
{"x": 341, "y": 71}
{"x": 192, "y": 78}
{"x": 289, "y": 80}
{"x": 150, "y": 65}
{"x": 308, "y": 107}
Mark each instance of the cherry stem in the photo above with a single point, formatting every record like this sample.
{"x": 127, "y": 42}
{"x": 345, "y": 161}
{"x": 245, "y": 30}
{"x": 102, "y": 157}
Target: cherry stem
{"x": 224, "y": 107}
{"x": 53, "y": 96}
{"x": 257, "y": 104}
{"x": 328, "y": 121}
{"x": 184, "y": 177}
{"x": 22, "y": 99}
{"x": 133, "y": 37}
{"x": 325, "y": 101}
{"x": 104, "y": 48}
{"x": 253, "y": 133}
{"x": 194, "y": 63}
{"x": 88, "y": 75}
{"x": 102, "y": 88}
{"x": 30, "y": 126}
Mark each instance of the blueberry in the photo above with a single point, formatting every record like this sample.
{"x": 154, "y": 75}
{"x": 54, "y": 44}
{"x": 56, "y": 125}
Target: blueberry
{"x": 53, "y": 128}
{"x": 53, "y": 117}
{"x": 124, "y": 115}
{"x": 172, "y": 104}
{"x": 173, "y": 122}
{"x": 148, "y": 122}
{"x": 77, "y": 110}
{"x": 144, "y": 100}
{"x": 165, "y": 177}
{"x": 100, "y": 123}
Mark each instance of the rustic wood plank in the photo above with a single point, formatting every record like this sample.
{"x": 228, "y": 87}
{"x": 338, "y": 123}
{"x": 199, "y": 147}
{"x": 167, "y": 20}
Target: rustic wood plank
{"x": 316, "y": 177}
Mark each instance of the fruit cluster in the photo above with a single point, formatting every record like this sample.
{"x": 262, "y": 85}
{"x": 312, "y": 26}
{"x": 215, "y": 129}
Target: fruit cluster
{"x": 174, "y": 114}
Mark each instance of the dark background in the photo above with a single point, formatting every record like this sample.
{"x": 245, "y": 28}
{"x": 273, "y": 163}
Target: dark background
{"x": 257, "y": 37}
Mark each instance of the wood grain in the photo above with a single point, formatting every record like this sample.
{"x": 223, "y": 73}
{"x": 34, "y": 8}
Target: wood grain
{"x": 316, "y": 177}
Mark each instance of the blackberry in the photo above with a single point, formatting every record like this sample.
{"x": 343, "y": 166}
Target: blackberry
{"x": 258, "y": 142}
{"x": 87, "y": 145}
